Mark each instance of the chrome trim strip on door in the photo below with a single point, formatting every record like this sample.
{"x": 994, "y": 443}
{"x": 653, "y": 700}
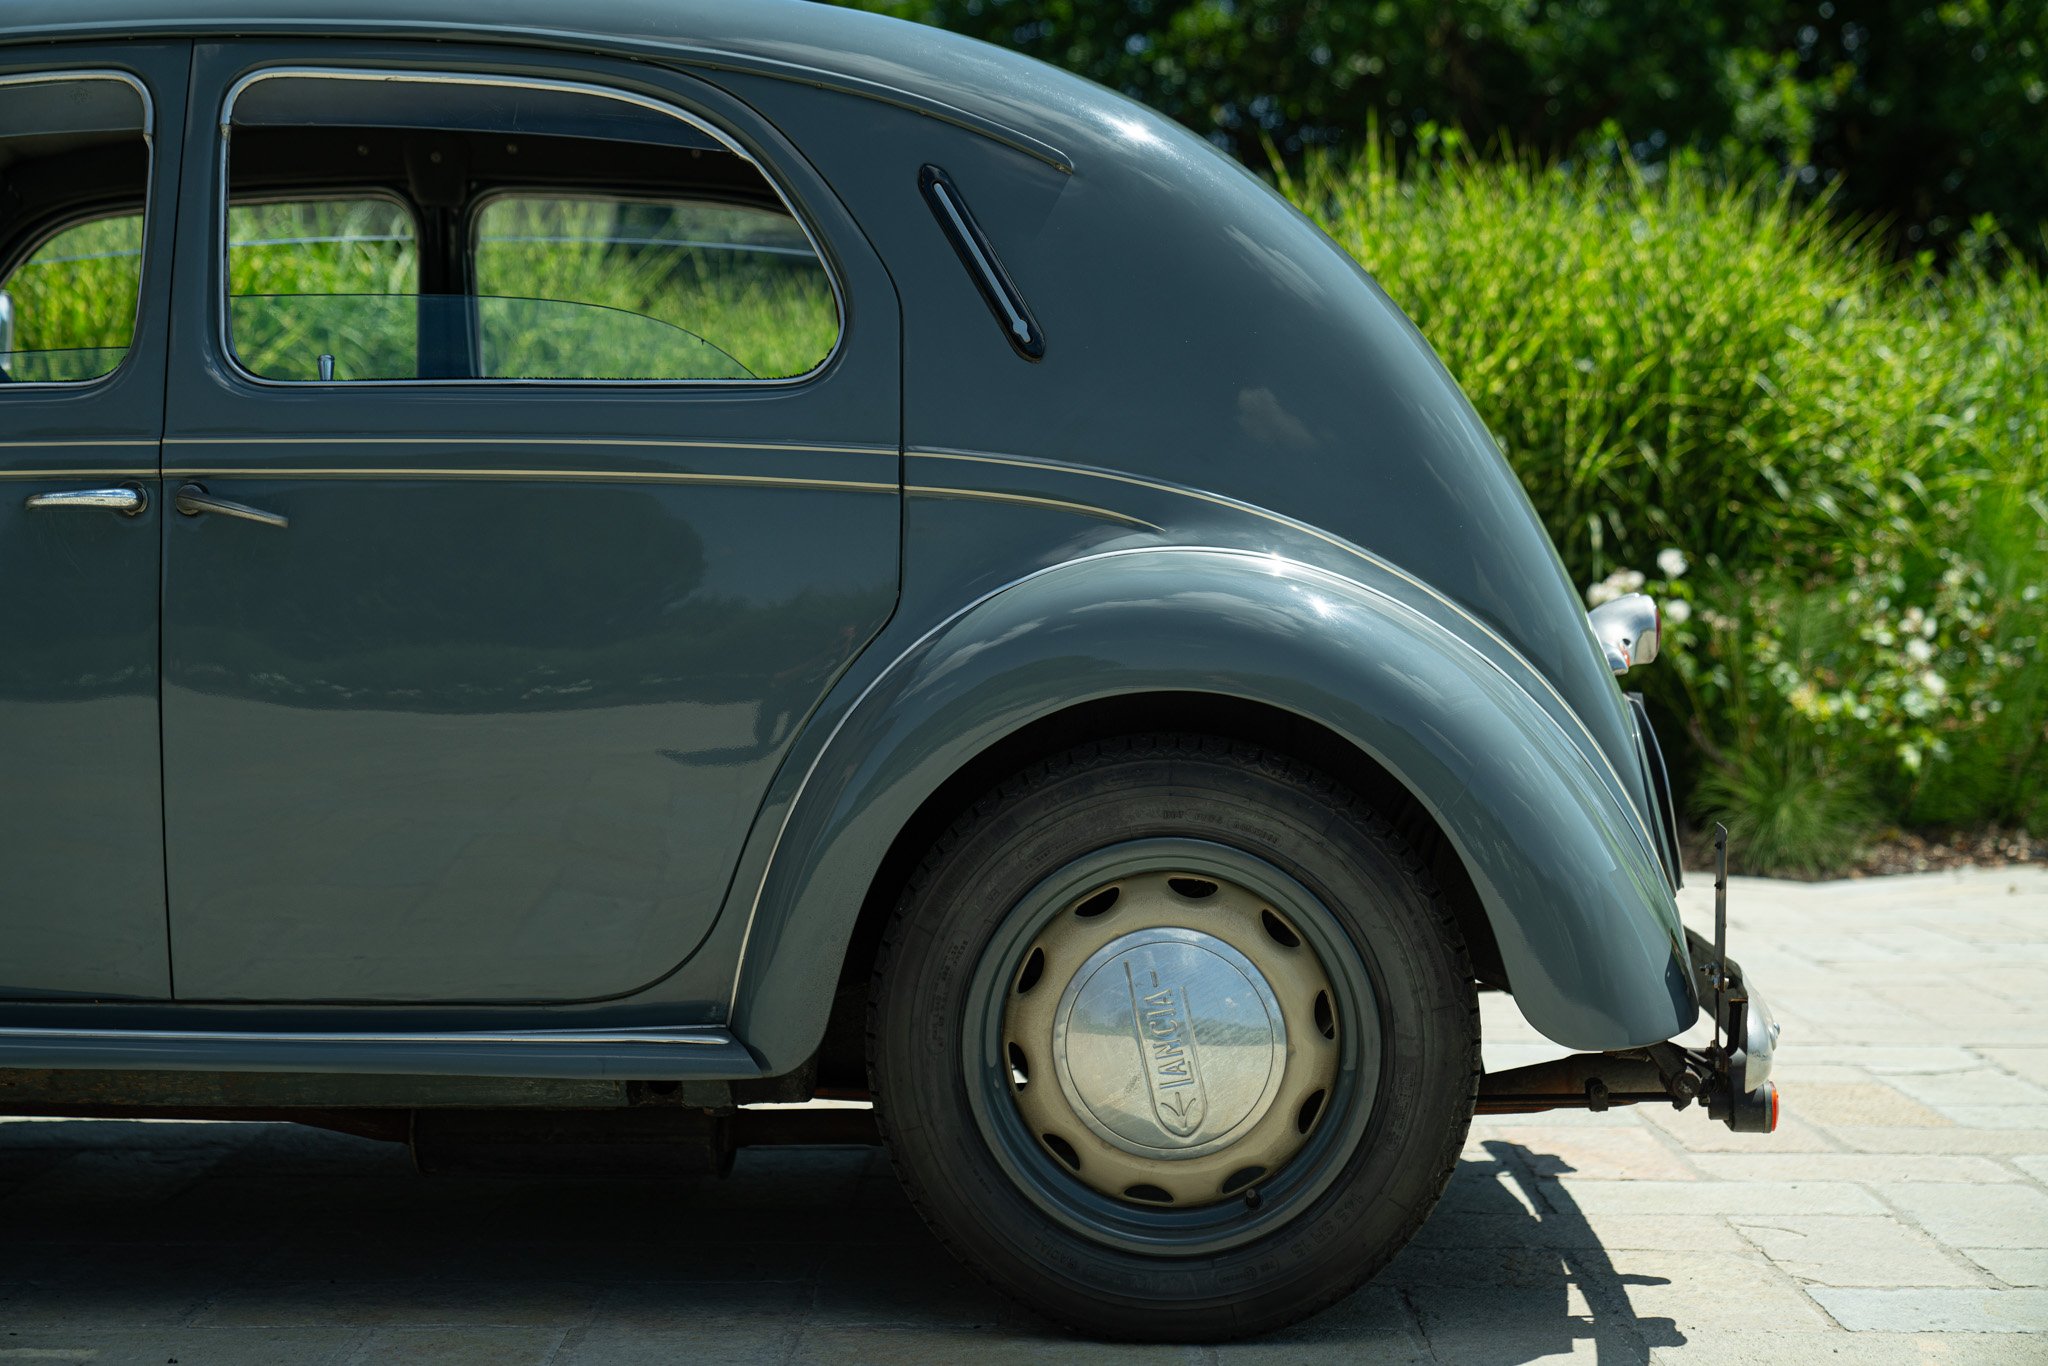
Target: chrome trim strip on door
{"x": 650, "y": 477}
{"x": 652, "y": 443}
{"x": 1030, "y": 500}
{"x": 89, "y": 476}
{"x": 39, "y": 445}
{"x": 566, "y": 476}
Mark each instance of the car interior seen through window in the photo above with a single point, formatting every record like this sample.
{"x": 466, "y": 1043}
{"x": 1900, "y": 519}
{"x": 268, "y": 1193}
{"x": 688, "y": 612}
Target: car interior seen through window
{"x": 460, "y": 229}
{"x": 70, "y": 270}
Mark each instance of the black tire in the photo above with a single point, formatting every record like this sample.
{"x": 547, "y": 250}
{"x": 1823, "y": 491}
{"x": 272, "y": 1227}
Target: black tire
{"x": 1383, "y": 1173}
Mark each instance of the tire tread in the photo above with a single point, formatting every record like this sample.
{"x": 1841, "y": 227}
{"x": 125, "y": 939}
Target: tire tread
{"x": 1344, "y": 804}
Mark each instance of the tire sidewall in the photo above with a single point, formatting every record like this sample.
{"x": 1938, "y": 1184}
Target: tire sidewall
{"x": 1307, "y": 829}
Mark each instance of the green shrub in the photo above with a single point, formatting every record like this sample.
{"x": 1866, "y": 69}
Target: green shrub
{"x": 1832, "y": 468}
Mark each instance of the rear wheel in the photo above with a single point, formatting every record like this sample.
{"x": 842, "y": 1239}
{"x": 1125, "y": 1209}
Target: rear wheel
{"x": 1173, "y": 1038}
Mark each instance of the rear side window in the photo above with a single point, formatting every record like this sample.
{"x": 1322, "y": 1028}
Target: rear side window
{"x": 74, "y": 177}
{"x": 409, "y": 227}
{"x": 331, "y": 277}
{"x": 743, "y": 279}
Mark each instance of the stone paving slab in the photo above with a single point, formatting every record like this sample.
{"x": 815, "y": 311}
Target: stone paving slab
{"x": 1900, "y": 1214}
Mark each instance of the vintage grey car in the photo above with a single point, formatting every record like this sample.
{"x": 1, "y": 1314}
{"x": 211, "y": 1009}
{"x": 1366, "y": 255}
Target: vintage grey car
{"x": 575, "y": 570}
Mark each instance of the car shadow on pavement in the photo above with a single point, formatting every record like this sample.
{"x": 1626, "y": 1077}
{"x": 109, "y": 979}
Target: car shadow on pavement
{"x": 129, "y": 1238}
{"x": 1508, "y": 1269}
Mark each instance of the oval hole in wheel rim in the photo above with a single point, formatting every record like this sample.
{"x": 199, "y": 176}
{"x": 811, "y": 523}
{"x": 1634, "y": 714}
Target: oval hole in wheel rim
{"x": 1097, "y": 904}
{"x": 1062, "y": 1149}
{"x": 1241, "y": 1178}
{"x": 1279, "y": 931}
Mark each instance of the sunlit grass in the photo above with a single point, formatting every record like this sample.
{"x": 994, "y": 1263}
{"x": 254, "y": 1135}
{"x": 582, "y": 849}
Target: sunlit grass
{"x": 1832, "y": 439}
{"x": 761, "y": 297}
{"x": 77, "y": 294}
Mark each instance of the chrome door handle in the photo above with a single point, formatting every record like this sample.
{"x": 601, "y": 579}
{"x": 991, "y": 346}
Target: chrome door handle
{"x": 193, "y": 499}
{"x": 128, "y": 499}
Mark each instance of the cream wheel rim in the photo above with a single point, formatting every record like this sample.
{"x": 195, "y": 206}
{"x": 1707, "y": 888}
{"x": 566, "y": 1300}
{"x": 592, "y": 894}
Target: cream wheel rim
{"x": 1172, "y": 1039}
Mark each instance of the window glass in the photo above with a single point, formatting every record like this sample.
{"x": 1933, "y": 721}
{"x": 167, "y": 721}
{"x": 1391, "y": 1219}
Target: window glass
{"x": 471, "y": 230}
{"x": 724, "y": 287}
{"x": 333, "y": 278}
{"x": 71, "y": 145}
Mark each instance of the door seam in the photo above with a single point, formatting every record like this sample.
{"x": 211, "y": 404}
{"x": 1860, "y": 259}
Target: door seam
{"x": 163, "y": 556}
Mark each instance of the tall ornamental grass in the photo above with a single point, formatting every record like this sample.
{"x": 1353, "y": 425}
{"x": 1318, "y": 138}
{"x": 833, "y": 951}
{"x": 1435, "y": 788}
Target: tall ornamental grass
{"x": 1831, "y": 467}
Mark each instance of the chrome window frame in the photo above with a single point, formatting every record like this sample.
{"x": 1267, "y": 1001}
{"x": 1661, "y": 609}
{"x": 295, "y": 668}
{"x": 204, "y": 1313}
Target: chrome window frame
{"x": 335, "y": 197}
{"x": 135, "y": 83}
{"x": 225, "y": 128}
{"x": 52, "y": 234}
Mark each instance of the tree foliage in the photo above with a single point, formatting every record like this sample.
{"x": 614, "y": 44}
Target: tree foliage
{"x": 1931, "y": 113}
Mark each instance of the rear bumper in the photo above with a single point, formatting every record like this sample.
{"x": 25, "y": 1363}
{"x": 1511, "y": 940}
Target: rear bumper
{"x": 1747, "y": 1026}
{"x": 1731, "y": 1078}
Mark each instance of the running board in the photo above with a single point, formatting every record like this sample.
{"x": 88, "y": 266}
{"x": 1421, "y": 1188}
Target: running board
{"x": 563, "y": 1054}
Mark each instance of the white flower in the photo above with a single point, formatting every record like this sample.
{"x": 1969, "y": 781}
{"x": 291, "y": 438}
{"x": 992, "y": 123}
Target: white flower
{"x": 1672, "y": 562}
{"x": 1613, "y": 586}
{"x": 1919, "y": 651}
{"x": 1678, "y": 611}
{"x": 1934, "y": 683}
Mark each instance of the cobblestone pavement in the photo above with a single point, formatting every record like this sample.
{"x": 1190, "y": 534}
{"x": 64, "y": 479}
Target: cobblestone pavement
{"x": 1899, "y": 1214}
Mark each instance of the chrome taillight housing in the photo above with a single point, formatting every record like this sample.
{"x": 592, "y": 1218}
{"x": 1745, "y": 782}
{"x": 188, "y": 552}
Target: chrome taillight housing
{"x": 1629, "y": 629}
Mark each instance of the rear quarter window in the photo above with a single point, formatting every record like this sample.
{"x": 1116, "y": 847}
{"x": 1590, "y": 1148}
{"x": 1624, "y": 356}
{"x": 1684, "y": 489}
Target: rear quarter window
{"x": 742, "y": 279}
{"x": 69, "y": 143}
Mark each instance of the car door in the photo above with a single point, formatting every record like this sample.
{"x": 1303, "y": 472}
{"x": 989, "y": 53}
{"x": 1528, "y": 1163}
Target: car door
{"x": 89, "y": 144}
{"x": 533, "y": 446}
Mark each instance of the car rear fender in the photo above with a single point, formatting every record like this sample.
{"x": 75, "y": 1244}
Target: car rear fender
{"x": 1588, "y": 933}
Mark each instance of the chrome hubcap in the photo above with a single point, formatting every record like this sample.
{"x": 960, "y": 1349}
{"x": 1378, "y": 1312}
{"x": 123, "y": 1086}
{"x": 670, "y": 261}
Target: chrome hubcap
{"x": 1169, "y": 1043}
{"x": 1171, "y": 1038}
